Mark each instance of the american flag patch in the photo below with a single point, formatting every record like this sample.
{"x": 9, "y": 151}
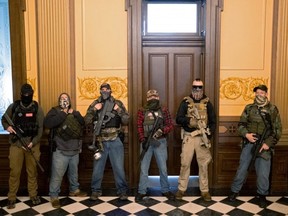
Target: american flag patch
{"x": 29, "y": 115}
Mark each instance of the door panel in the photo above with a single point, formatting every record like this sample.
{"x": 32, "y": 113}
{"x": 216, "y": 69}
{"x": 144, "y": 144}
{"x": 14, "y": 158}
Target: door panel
{"x": 171, "y": 70}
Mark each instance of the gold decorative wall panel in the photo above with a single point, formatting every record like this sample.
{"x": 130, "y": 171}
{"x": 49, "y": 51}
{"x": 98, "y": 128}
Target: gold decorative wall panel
{"x": 234, "y": 88}
{"x": 89, "y": 88}
{"x": 56, "y": 73}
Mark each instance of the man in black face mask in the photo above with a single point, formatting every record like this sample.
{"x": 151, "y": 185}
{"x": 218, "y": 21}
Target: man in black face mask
{"x": 114, "y": 118}
{"x": 146, "y": 118}
{"x": 29, "y": 116}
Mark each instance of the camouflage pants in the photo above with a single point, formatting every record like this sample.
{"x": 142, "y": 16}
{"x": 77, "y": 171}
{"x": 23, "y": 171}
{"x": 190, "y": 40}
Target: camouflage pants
{"x": 189, "y": 146}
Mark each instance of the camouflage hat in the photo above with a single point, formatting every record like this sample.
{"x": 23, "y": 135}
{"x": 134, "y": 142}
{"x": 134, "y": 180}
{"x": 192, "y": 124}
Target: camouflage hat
{"x": 152, "y": 92}
{"x": 261, "y": 87}
{"x": 105, "y": 85}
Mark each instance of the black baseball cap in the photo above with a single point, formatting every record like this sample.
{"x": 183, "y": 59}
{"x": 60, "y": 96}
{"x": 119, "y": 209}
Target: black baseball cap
{"x": 261, "y": 87}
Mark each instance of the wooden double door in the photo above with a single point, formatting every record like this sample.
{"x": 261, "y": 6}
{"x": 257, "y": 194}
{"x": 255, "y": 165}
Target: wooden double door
{"x": 171, "y": 71}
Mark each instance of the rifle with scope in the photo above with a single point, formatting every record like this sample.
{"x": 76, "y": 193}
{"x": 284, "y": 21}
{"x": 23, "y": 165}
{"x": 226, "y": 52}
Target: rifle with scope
{"x": 20, "y": 137}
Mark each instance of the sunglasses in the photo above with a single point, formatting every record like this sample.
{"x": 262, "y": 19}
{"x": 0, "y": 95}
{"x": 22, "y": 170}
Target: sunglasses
{"x": 197, "y": 87}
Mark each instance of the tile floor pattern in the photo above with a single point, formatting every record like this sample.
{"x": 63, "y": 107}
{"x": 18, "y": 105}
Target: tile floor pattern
{"x": 154, "y": 205}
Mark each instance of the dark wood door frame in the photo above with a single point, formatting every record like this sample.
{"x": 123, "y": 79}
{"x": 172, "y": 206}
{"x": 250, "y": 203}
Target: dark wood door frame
{"x": 135, "y": 88}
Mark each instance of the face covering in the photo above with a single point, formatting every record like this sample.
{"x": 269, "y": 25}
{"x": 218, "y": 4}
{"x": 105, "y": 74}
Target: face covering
{"x": 26, "y": 99}
{"x": 261, "y": 101}
{"x": 64, "y": 103}
{"x": 153, "y": 104}
{"x": 197, "y": 94}
{"x": 105, "y": 94}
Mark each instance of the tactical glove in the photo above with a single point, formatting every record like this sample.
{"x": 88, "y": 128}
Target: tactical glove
{"x": 144, "y": 144}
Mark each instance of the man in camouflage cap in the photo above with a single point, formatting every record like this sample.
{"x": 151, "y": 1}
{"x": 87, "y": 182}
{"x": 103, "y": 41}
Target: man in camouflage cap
{"x": 254, "y": 119}
{"x": 111, "y": 142}
{"x": 157, "y": 146}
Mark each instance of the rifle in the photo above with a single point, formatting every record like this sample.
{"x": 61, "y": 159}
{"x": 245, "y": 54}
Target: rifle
{"x": 23, "y": 142}
{"x": 203, "y": 130}
{"x": 257, "y": 146}
{"x": 150, "y": 138}
{"x": 104, "y": 117}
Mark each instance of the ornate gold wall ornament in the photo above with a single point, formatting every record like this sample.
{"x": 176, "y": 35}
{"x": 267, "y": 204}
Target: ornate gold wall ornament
{"x": 233, "y": 88}
{"x": 89, "y": 88}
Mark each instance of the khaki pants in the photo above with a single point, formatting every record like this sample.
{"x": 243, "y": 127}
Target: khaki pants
{"x": 203, "y": 156}
{"x": 17, "y": 156}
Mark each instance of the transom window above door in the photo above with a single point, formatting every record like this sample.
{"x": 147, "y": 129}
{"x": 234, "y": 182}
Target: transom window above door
{"x": 168, "y": 17}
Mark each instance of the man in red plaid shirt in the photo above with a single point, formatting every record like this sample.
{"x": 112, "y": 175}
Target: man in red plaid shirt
{"x": 146, "y": 118}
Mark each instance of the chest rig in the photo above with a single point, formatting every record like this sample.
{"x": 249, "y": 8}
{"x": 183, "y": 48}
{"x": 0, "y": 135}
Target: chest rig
{"x": 149, "y": 119}
{"x": 197, "y": 110}
{"x": 26, "y": 118}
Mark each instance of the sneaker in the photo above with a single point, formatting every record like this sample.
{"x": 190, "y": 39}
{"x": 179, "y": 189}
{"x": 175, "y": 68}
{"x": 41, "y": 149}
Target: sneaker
{"x": 78, "y": 193}
{"x": 139, "y": 197}
{"x": 262, "y": 201}
{"x": 169, "y": 195}
{"x": 95, "y": 195}
{"x": 55, "y": 202}
{"x": 11, "y": 204}
{"x": 179, "y": 194}
{"x": 206, "y": 196}
{"x": 35, "y": 200}
{"x": 232, "y": 196}
{"x": 123, "y": 197}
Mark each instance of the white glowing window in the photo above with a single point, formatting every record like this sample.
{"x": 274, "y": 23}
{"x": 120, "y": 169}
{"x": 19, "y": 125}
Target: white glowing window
{"x": 172, "y": 18}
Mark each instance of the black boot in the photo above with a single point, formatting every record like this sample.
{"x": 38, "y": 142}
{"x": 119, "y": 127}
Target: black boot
{"x": 232, "y": 196}
{"x": 262, "y": 201}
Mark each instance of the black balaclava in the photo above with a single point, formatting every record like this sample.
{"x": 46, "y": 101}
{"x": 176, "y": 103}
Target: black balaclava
{"x": 26, "y": 94}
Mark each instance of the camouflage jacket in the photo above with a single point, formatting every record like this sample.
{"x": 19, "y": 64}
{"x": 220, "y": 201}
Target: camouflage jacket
{"x": 252, "y": 122}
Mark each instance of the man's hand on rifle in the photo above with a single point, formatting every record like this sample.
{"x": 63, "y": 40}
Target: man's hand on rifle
{"x": 11, "y": 130}
{"x": 252, "y": 137}
{"x": 144, "y": 144}
{"x": 264, "y": 147}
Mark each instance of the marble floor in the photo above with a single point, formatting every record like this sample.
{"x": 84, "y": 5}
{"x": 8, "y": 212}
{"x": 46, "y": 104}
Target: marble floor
{"x": 154, "y": 204}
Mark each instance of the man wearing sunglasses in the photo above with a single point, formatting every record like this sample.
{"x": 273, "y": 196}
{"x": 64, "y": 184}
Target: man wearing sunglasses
{"x": 198, "y": 121}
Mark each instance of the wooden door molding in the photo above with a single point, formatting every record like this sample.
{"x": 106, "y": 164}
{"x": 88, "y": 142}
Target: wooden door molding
{"x": 135, "y": 65}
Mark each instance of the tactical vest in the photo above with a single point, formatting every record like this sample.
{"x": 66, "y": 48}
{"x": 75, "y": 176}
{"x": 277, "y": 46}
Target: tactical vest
{"x": 70, "y": 128}
{"x": 255, "y": 121}
{"x": 149, "y": 120}
{"x": 201, "y": 107}
{"x": 26, "y": 118}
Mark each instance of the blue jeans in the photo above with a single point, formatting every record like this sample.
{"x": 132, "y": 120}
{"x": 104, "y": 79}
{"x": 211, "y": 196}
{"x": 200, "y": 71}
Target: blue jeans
{"x": 115, "y": 150}
{"x": 262, "y": 168}
{"x": 60, "y": 163}
{"x": 160, "y": 154}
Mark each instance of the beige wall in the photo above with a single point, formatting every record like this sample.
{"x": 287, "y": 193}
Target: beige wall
{"x": 100, "y": 42}
{"x": 246, "y": 47}
{"x": 101, "y": 49}
{"x": 31, "y": 45}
